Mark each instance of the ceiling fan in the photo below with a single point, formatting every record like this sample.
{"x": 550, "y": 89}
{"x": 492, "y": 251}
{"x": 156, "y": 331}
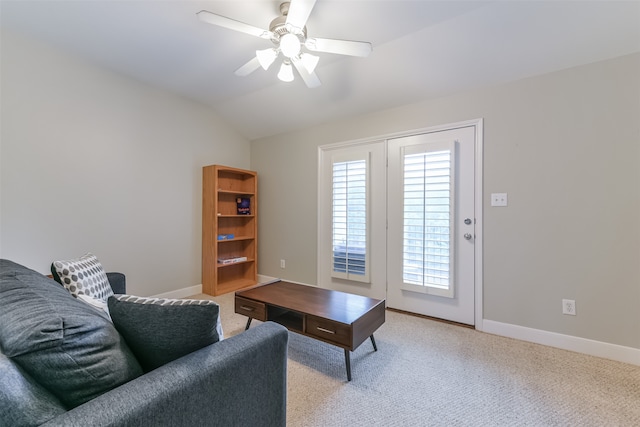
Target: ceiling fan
{"x": 288, "y": 34}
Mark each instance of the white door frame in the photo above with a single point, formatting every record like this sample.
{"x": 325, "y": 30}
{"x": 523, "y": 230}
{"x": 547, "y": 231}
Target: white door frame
{"x": 477, "y": 202}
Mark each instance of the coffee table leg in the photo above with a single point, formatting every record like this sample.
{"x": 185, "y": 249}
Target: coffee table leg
{"x": 373, "y": 341}
{"x": 347, "y": 359}
{"x": 249, "y": 324}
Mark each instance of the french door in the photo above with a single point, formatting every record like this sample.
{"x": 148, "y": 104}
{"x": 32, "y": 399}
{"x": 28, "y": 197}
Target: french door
{"x": 399, "y": 218}
{"x": 431, "y": 231}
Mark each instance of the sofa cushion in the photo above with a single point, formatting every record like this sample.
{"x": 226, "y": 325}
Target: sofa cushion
{"x": 67, "y": 346}
{"x": 84, "y": 275}
{"x": 22, "y": 401}
{"x": 159, "y": 330}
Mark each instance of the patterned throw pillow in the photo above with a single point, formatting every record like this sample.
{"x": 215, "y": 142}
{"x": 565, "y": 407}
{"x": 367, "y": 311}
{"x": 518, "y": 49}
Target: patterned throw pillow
{"x": 84, "y": 276}
{"x": 159, "y": 330}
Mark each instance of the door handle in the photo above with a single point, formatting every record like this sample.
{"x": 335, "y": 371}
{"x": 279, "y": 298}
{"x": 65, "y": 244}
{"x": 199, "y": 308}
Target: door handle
{"x": 467, "y": 236}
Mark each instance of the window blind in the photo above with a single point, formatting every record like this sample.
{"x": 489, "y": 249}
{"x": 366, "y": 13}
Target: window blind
{"x": 427, "y": 248}
{"x": 349, "y": 220}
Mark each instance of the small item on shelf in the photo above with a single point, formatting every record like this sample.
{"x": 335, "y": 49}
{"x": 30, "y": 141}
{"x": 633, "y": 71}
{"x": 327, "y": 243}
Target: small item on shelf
{"x": 244, "y": 205}
{"x": 232, "y": 260}
{"x": 225, "y": 236}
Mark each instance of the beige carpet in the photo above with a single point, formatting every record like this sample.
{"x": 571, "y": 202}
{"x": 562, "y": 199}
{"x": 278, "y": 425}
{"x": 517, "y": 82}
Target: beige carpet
{"x": 427, "y": 373}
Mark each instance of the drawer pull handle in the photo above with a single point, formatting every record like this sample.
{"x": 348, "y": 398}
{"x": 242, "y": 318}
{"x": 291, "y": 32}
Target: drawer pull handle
{"x": 325, "y": 330}
{"x": 247, "y": 308}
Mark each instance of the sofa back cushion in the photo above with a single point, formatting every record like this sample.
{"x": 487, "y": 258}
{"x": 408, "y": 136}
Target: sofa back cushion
{"x": 67, "y": 346}
{"x": 159, "y": 330}
{"x": 22, "y": 401}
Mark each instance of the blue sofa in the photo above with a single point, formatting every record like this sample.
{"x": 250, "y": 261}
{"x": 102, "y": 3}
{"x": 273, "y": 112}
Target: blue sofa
{"x": 239, "y": 381}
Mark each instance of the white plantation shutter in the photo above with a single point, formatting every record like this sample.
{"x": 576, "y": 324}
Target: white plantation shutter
{"x": 428, "y": 187}
{"x": 350, "y": 251}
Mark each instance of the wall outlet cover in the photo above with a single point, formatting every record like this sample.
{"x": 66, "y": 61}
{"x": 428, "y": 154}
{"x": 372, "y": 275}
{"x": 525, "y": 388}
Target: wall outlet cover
{"x": 499, "y": 199}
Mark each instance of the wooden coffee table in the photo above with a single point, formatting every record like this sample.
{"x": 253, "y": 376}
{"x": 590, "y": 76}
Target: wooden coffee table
{"x": 338, "y": 318}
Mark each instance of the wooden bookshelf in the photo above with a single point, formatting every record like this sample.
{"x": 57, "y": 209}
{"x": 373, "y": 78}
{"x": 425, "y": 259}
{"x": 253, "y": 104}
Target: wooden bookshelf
{"x": 222, "y": 186}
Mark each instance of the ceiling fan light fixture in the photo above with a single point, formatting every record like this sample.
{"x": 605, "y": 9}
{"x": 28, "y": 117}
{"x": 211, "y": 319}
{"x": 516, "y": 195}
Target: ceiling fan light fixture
{"x": 309, "y": 61}
{"x": 290, "y": 45}
{"x": 286, "y": 72}
{"x": 288, "y": 34}
{"x": 266, "y": 57}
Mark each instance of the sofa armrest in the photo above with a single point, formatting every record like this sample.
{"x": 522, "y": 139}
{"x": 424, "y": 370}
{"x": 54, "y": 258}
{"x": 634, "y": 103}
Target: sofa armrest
{"x": 118, "y": 282}
{"x": 238, "y": 381}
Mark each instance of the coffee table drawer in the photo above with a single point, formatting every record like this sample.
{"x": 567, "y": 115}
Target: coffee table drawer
{"x": 329, "y": 331}
{"x": 253, "y": 309}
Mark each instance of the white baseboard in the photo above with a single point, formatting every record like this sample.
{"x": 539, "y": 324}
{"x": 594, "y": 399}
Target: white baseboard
{"x": 566, "y": 342}
{"x": 180, "y": 293}
{"x": 197, "y": 289}
{"x": 268, "y": 279}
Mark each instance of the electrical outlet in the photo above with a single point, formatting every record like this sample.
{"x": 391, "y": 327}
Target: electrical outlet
{"x": 281, "y": 263}
{"x": 569, "y": 307}
{"x": 499, "y": 199}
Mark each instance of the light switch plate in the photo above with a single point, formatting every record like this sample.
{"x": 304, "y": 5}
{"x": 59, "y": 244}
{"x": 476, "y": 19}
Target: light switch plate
{"x": 498, "y": 199}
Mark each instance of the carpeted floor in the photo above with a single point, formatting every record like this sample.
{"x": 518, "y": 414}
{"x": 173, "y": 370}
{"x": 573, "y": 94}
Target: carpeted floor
{"x": 428, "y": 373}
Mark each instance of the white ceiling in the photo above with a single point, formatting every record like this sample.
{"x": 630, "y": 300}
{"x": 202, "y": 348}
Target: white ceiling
{"x": 421, "y": 49}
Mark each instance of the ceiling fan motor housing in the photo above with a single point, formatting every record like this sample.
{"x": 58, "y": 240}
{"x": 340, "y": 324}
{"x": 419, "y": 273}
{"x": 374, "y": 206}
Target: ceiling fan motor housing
{"x": 279, "y": 26}
{"x": 284, "y": 8}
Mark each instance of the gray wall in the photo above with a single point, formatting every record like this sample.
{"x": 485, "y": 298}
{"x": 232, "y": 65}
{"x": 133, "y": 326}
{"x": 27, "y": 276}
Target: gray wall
{"x": 564, "y": 146}
{"x": 92, "y": 161}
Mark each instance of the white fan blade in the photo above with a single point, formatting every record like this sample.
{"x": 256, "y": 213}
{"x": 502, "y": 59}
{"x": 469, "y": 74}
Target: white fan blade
{"x": 341, "y": 47}
{"x": 299, "y": 11}
{"x": 248, "y": 68}
{"x": 310, "y": 79}
{"x": 232, "y": 24}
